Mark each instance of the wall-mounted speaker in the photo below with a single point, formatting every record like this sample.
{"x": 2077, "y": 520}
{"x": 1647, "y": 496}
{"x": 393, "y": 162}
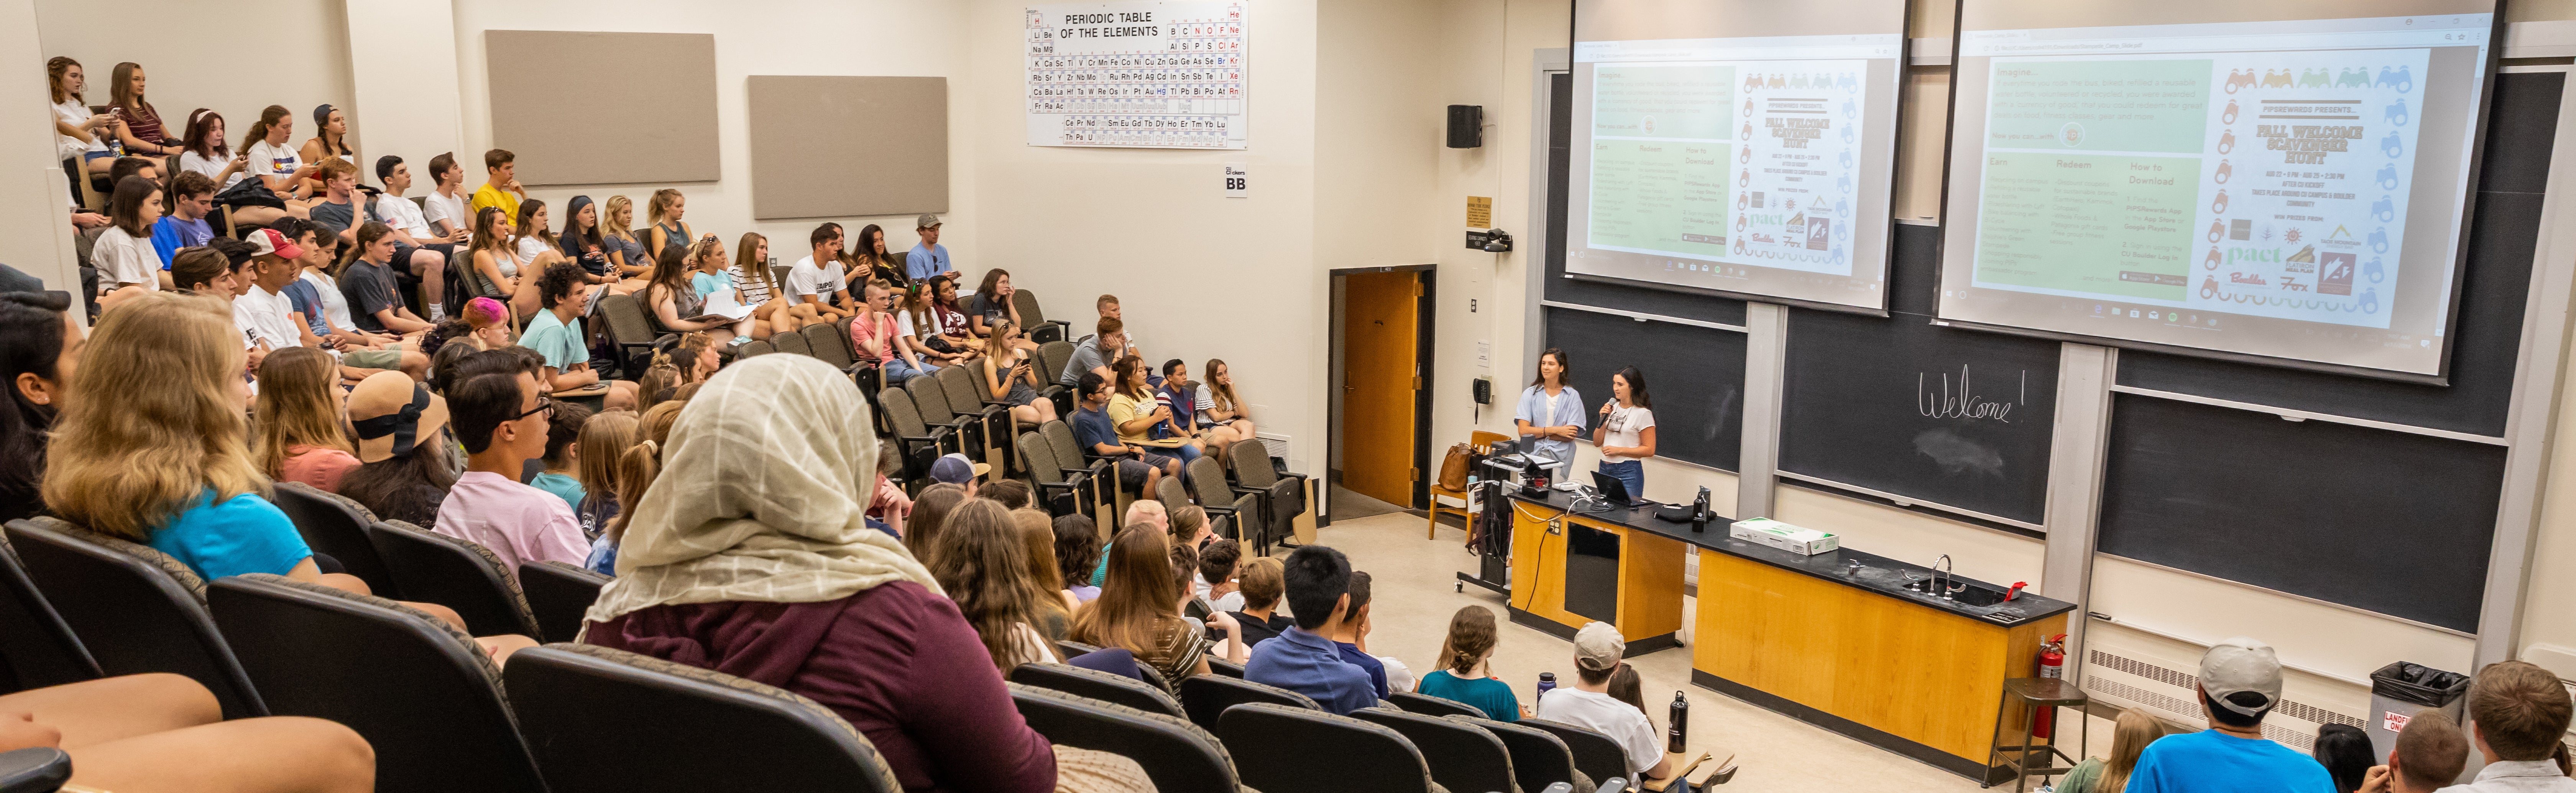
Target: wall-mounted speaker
{"x": 1466, "y": 126}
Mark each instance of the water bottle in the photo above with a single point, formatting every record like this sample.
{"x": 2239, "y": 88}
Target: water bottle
{"x": 1546, "y": 683}
{"x": 1679, "y": 733}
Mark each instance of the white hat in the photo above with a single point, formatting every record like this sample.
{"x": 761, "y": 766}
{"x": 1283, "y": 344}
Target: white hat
{"x": 2239, "y": 665}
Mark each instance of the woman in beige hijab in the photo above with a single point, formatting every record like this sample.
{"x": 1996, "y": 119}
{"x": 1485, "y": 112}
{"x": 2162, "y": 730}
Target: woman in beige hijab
{"x": 751, "y": 556}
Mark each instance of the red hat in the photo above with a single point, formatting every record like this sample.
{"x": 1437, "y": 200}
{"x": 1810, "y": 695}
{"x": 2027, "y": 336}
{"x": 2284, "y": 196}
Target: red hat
{"x": 267, "y": 242}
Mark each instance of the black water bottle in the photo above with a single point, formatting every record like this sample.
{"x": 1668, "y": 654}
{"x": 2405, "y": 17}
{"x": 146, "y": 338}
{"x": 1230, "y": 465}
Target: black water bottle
{"x": 1679, "y": 734}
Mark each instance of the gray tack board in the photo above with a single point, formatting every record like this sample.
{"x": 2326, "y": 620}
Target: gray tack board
{"x": 806, "y": 133}
{"x": 583, "y": 107}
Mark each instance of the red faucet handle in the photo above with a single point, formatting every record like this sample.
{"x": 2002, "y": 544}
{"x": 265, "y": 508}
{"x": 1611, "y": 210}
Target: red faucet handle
{"x": 2016, "y": 589}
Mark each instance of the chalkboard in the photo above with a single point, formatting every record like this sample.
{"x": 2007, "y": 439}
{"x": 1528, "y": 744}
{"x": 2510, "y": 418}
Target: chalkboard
{"x": 2503, "y": 229}
{"x": 1694, "y": 376}
{"x": 1610, "y": 294}
{"x": 1905, "y": 407}
{"x": 2390, "y": 522}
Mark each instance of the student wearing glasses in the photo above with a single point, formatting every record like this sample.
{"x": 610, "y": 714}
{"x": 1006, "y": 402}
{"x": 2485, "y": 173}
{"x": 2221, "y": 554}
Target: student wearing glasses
{"x": 502, "y": 419}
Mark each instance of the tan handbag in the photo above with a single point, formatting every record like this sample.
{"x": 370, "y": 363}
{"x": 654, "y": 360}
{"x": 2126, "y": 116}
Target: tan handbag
{"x": 1453, "y": 469}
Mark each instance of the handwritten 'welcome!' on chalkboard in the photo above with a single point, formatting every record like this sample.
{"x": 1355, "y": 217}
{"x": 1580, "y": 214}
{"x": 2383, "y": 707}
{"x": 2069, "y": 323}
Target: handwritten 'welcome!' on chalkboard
{"x": 1927, "y": 413}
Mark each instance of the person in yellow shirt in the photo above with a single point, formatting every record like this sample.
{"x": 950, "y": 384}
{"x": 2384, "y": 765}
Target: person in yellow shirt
{"x": 502, "y": 189}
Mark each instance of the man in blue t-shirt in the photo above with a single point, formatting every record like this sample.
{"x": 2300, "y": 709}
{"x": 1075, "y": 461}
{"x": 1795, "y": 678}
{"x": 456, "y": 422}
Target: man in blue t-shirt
{"x": 2240, "y": 681}
{"x": 928, "y": 260}
{"x": 185, "y": 226}
{"x": 1354, "y": 630}
{"x": 1306, "y": 660}
{"x": 1138, "y": 470}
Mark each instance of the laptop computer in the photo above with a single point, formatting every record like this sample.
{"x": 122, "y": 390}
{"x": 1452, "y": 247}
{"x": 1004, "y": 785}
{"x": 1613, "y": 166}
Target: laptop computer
{"x": 1614, "y": 491}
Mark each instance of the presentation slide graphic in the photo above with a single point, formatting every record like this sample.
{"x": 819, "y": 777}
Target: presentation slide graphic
{"x": 2268, "y": 184}
{"x": 1742, "y": 163}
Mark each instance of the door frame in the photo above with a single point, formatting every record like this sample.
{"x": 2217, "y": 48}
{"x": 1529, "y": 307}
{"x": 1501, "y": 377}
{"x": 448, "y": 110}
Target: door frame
{"x": 1425, "y": 321}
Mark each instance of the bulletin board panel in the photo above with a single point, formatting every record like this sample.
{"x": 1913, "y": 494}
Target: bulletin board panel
{"x": 901, "y": 122}
{"x": 551, "y": 91}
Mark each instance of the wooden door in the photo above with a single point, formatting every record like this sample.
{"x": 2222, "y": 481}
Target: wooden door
{"x": 1379, "y": 340}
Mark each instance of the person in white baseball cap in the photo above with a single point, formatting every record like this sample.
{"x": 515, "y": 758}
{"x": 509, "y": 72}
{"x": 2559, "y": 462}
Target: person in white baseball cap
{"x": 2240, "y": 682}
{"x": 1597, "y": 650}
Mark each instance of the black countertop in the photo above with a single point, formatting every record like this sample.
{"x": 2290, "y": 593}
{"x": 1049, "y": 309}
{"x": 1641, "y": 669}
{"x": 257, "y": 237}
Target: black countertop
{"x": 1878, "y": 574}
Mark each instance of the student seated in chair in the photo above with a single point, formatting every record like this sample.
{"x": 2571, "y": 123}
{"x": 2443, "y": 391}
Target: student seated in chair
{"x": 879, "y": 338}
{"x": 177, "y": 474}
{"x": 1597, "y": 649}
{"x": 2240, "y": 681}
{"x": 816, "y": 280}
{"x": 2518, "y": 717}
{"x": 2430, "y": 753}
{"x": 503, "y": 421}
{"x": 151, "y": 733}
{"x": 748, "y": 555}
{"x": 556, "y": 333}
{"x": 1138, "y": 470}
{"x": 1305, "y": 659}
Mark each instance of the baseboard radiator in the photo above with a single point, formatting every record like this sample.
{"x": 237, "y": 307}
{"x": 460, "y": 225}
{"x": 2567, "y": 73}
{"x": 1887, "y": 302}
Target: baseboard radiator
{"x": 2169, "y": 693}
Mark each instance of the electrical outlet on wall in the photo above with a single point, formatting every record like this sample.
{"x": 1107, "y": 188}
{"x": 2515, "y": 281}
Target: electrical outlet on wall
{"x": 1471, "y": 305}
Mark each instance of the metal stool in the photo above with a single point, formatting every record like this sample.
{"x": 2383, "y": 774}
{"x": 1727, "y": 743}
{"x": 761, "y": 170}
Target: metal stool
{"x": 2036, "y": 693}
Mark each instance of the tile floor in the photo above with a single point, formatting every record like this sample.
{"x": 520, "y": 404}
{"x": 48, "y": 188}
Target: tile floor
{"x": 1415, "y": 594}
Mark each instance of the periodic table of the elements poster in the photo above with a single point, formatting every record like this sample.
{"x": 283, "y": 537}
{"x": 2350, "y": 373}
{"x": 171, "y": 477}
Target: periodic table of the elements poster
{"x": 1167, "y": 74}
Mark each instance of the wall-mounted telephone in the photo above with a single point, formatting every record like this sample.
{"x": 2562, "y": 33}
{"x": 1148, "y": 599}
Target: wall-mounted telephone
{"x": 1484, "y": 390}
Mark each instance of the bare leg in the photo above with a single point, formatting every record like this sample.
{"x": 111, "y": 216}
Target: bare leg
{"x": 432, "y": 269}
{"x": 1027, "y": 415}
{"x": 115, "y": 708}
{"x": 416, "y": 365}
{"x": 256, "y": 216}
{"x": 501, "y": 647}
{"x": 284, "y": 754}
{"x": 1045, "y": 409}
{"x": 621, "y": 394}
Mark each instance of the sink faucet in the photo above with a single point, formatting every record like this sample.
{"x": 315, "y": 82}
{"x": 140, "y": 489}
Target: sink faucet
{"x": 1941, "y": 568}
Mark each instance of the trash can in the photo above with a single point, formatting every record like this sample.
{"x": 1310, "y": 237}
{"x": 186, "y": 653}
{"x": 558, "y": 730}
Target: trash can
{"x": 2400, "y": 689}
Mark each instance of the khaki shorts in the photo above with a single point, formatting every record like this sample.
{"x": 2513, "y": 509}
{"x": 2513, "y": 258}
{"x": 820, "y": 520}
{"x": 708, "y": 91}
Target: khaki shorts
{"x": 372, "y": 359}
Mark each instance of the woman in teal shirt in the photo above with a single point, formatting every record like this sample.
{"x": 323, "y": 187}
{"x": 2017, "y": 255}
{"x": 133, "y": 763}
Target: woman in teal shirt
{"x": 1468, "y": 678}
{"x": 167, "y": 463}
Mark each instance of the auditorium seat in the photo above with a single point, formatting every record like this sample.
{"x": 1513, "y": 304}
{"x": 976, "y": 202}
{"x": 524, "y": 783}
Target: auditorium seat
{"x": 830, "y": 344}
{"x": 336, "y": 526}
{"x": 629, "y": 329}
{"x": 1432, "y": 706}
{"x": 558, "y": 594}
{"x": 752, "y": 348}
{"x": 1539, "y": 758}
{"x": 1595, "y": 755}
{"x": 1226, "y": 668}
{"x": 929, "y": 397}
{"x": 134, "y": 608}
{"x": 1225, "y": 505}
{"x": 918, "y": 442}
{"x": 1098, "y": 685}
{"x": 959, "y": 384}
{"x": 793, "y": 343}
{"x": 1070, "y": 452}
{"x": 1283, "y": 497}
{"x": 1204, "y": 697}
{"x": 419, "y": 690}
{"x": 1283, "y": 749}
{"x": 606, "y": 721}
{"x": 1061, "y": 491}
{"x": 1461, "y": 756}
{"x": 1177, "y": 755}
{"x": 458, "y": 574}
{"x": 1041, "y": 329}
{"x": 38, "y": 648}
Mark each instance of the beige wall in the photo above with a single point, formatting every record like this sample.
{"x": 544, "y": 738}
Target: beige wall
{"x": 301, "y": 49}
{"x": 33, "y": 192}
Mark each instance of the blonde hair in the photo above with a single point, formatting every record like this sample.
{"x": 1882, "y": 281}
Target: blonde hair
{"x": 641, "y": 463}
{"x": 661, "y": 205}
{"x": 296, "y": 407}
{"x": 608, "y": 216}
{"x": 2130, "y": 735}
{"x": 604, "y": 441}
{"x": 126, "y": 466}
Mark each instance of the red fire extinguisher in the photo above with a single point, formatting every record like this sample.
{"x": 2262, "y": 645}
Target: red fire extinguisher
{"x": 2052, "y": 664}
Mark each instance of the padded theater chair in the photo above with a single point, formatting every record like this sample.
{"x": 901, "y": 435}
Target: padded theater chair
{"x": 794, "y": 343}
{"x": 134, "y": 608}
{"x": 1052, "y": 356}
{"x": 1595, "y": 755}
{"x": 336, "y": 526}
{"x": 1461, "y": 756}
{"x": 419, "y": 690}
{"x": 1206, "y": 697}
{"x": 1226, "y": 508}
{"x": 39, "y": 769}
{"x": 918, "y": 441}
{"x": 1283, "y": 497}
{"x": 957, "y": 383}
{"x": 629, "y": 329}
{"x": 1225, "y": 667}
{"x": 1041, "y": 329}
{"x": 461, "y": 575}
{"x": 38, "y": 649}
{"x": 931, "y": 400}
{"x": 1278, "y": 749}
{"x": 751, "y": 348}
{"x": 1098, "y": 685}
{"x": 1540, "y": 760}
{"x": 558, "y": 594}
{"x": 1177, "y": 755}
{"x": 1435, "y": 707}
{"x": 606, "y": 721}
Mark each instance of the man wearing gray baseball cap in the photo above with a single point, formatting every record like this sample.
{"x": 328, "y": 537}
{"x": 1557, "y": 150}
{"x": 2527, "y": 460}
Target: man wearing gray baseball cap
{"x": 928, "y": 260}
{"x": 1597, "y": 649}
{"x": 2240, "y": 681}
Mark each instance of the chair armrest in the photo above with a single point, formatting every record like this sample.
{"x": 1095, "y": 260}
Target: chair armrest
{"x": 41, "y": 769}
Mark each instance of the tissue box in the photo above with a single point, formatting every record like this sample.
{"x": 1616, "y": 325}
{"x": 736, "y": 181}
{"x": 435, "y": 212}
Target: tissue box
{"x": 1765, "y": 531}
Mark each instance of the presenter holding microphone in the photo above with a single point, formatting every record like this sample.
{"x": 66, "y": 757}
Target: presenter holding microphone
{"x": 1551, "y": 413}
{"x": 1627, "y": 431}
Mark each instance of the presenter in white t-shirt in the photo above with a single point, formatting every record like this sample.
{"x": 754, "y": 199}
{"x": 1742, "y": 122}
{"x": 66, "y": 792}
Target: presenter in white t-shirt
{"x": 1626, "y": 434}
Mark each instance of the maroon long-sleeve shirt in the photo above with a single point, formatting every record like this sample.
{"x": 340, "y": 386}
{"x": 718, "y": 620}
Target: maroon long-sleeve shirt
{"x": 898, "y": 662}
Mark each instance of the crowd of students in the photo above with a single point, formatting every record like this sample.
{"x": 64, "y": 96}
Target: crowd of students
{"x": 743, "y": 508}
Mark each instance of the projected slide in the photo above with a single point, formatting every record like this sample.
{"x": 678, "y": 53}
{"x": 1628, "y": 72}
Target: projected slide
{"x": 1752, "y": 165}
{"x": 2288, "y": 189}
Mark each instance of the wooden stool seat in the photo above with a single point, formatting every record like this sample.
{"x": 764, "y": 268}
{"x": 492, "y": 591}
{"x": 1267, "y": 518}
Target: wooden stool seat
{"x": 2030, "y": 758}
{"x": 1480, "y": 438}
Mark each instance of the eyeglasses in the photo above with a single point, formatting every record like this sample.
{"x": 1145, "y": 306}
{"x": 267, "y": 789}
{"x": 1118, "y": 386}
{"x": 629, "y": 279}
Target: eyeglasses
{"x": 545, "y": 405}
